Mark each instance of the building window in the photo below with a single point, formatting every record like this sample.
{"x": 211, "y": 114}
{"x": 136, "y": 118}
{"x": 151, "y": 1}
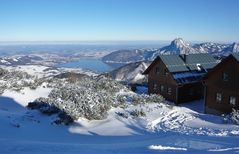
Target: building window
{"x": 232, "y": 100}
{"x": 157, "y": 70}
{"x": 219, "y": 97}
{"x": 165, "y": 72}
{"x": 155, "y": 86}
{"x": 191, "y": 92}
{"x": 225, "y": 76}
{"x": 161, "y": 88}
{"x": 169, "y": 90}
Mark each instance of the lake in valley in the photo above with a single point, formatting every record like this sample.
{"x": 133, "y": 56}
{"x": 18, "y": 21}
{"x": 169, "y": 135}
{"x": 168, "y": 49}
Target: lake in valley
{"x": 96, "y": 65}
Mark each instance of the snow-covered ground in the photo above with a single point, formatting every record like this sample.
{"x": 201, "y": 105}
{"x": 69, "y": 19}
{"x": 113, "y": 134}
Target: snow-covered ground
{"x": 164, "y": 128}
{"x": 24, "y": 131}
{"x": 33, "y": 70}
{"x": 27, "y": 95}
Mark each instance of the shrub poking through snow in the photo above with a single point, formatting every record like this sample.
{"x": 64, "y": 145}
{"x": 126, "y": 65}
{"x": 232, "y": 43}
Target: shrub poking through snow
{"x": 91, "y": 98}
{"x": 137, "y": 99}
{"x": 137, "y": 113}
{"x": 64, "y": 118}
{"x": 234, "y": 116}
{"x": 121, "y": 114}
{"x": 88, "y": 98}
{"x": 17, "y": 80}
{"x": 44, "y": 107}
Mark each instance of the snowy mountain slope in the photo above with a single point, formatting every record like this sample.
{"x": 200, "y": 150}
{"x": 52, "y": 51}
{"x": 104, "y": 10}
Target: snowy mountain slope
{"x": 27, "y": 95}
{"x": 216, "y": 49}
{"x": 139, "y": 124}
{"x": 131, "y": 73}
{"x": 19, "y": 60}
{"x": 22, "y": 132}
{"x": 177, "y": 46}
{"x": 34, "y": 70}
{"x": 128, "y": 56}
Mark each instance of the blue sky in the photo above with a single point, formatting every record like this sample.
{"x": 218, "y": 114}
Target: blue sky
{"x": 83, "y": 20}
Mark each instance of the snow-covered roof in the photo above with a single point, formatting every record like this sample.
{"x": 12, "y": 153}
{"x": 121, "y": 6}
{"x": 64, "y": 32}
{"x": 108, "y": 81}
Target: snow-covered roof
{"x": 185, "y": 63}
{"x": 188, "y": 77}
{"x": 230, "y": 57}
{"x": 186, "y": 68}
{"x": 236, "y": 56}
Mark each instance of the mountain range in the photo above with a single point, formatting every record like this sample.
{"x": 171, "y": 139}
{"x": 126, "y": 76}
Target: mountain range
{"x": 177, "y": 46}
{"x": 130, "y": 73}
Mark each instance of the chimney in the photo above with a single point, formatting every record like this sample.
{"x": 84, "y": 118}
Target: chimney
{"x": 184, "y": 57}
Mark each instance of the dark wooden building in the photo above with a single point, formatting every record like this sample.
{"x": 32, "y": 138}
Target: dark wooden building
{"x": 178, "y": 77}
{"x": 222, "y": 86}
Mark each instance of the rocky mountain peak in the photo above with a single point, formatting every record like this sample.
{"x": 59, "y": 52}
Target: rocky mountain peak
{"x": 179, "y": 43}
{"x": 177, "y": 46}
{"x": 235, "y": 47}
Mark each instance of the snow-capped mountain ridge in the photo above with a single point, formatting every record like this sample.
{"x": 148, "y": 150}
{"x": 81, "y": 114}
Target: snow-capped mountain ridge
{"x": 130, "y": 73}
{"x": 177, "y": 46}
{"x": 235, "y": 47}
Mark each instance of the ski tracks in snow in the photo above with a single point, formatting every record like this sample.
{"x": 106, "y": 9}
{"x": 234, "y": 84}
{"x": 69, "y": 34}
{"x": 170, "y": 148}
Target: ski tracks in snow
{"x": 172, "y": 120}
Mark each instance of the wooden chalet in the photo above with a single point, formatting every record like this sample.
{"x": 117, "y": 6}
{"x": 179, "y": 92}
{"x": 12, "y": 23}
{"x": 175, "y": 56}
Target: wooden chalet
{"x": 222, "y": 86}
{"x": 178, "y": 77}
